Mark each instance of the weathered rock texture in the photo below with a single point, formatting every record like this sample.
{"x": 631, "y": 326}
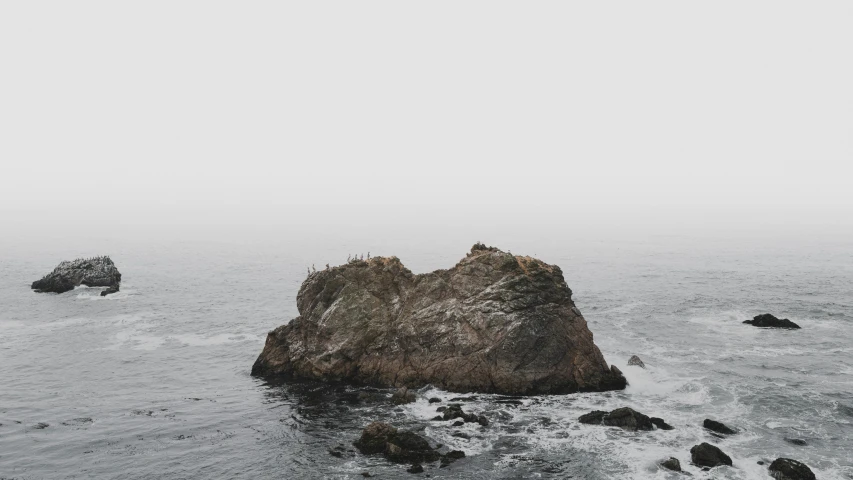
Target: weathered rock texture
{"x": 769, "y": 321}
{"x": 495, "y": 322}
{"x": 787, "y": 469}
{"x": 91, "y": 272}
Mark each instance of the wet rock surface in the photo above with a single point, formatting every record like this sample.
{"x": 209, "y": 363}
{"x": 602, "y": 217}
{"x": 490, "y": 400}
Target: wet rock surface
{"x": 769, "y": 321}
{"x": 718, "y": 427}
{"x": 788, "y": 469}
{"x": 398, "y": 447}
{"x": 91, "y": 272}
{"x": 495, "y": 322}
{"x": 707, "y": 455}
{"x": 671, "y": 464}
{"x": 625, "y": 418}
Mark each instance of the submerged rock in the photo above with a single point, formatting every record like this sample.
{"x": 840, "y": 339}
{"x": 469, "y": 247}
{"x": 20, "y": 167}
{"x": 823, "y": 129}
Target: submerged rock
{"x": 718, "y": 427}
{"x": 787, "y": 469}
{"x": 768, "y": 320}
{"x": 399, "y": 447}
{"x": 707, "y": 455}
{"x": 635, "y": 360}
{"x": 671, "y": 464}
{"x": 495, "y": 322}
{"x": 796, "y": 441}
{"x": 91, "y": 272}
{"x": 624, "y": 418}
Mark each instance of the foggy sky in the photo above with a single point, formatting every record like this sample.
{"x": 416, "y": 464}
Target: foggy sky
{"x": 176, "y": 114}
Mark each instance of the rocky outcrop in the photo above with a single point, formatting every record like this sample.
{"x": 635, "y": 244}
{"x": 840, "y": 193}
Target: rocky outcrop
{"x": 495, "y": 322}
{"x": 624, "y": 418}
{"x": 769, "y": 321}
{"x": 399, "y": 447}
{"x": 671, "y": 464}
{"x": 91, "y": 272}
{"x": 707, "y": 455}
{"x": 718, "y": 427}
{"x": 635, "y": 361}
{"x": 787, "y": 469}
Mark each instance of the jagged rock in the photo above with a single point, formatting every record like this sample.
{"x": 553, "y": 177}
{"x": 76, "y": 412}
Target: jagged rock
{"x": 402, "y": 396}
{"x": 718, "y": 427}
{"x": 658, "y": 422}
{"x": 625, "y": 418}
{"x": 495, "y": 323}
{"x": 787, "y": 469}
{"x": 635, "y": 360}
{"x": 671, "y": 464}
{"x": 768, "y": 320}
{"x": 374, "y": 437}
{"x": 707, "y": 455}
{"x": 91, "y": 272}
{"x": 454, "y": 410}
{"x": 400, "y": 447}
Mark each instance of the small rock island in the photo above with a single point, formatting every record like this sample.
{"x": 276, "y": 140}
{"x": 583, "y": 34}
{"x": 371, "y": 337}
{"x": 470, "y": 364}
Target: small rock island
{"x": 91, "y": 272}
{"x": 494, "y": 323}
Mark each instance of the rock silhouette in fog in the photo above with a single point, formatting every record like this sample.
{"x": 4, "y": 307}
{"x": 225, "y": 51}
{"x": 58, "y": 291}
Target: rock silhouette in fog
{"x": 495, "y": 322}
{"x": 91, "y": 272}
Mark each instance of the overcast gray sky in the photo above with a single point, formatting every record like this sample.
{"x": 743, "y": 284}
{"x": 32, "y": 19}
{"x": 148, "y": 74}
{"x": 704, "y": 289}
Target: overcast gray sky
{"x": 175, "y": 112}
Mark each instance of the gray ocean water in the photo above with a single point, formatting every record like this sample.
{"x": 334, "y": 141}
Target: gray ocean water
{"x": 153, "y": 382}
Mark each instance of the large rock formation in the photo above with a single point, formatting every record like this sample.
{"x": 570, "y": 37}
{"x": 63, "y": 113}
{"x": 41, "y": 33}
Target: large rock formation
{"x": 91, "y": 272}
{"x": 495, "y": 322}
